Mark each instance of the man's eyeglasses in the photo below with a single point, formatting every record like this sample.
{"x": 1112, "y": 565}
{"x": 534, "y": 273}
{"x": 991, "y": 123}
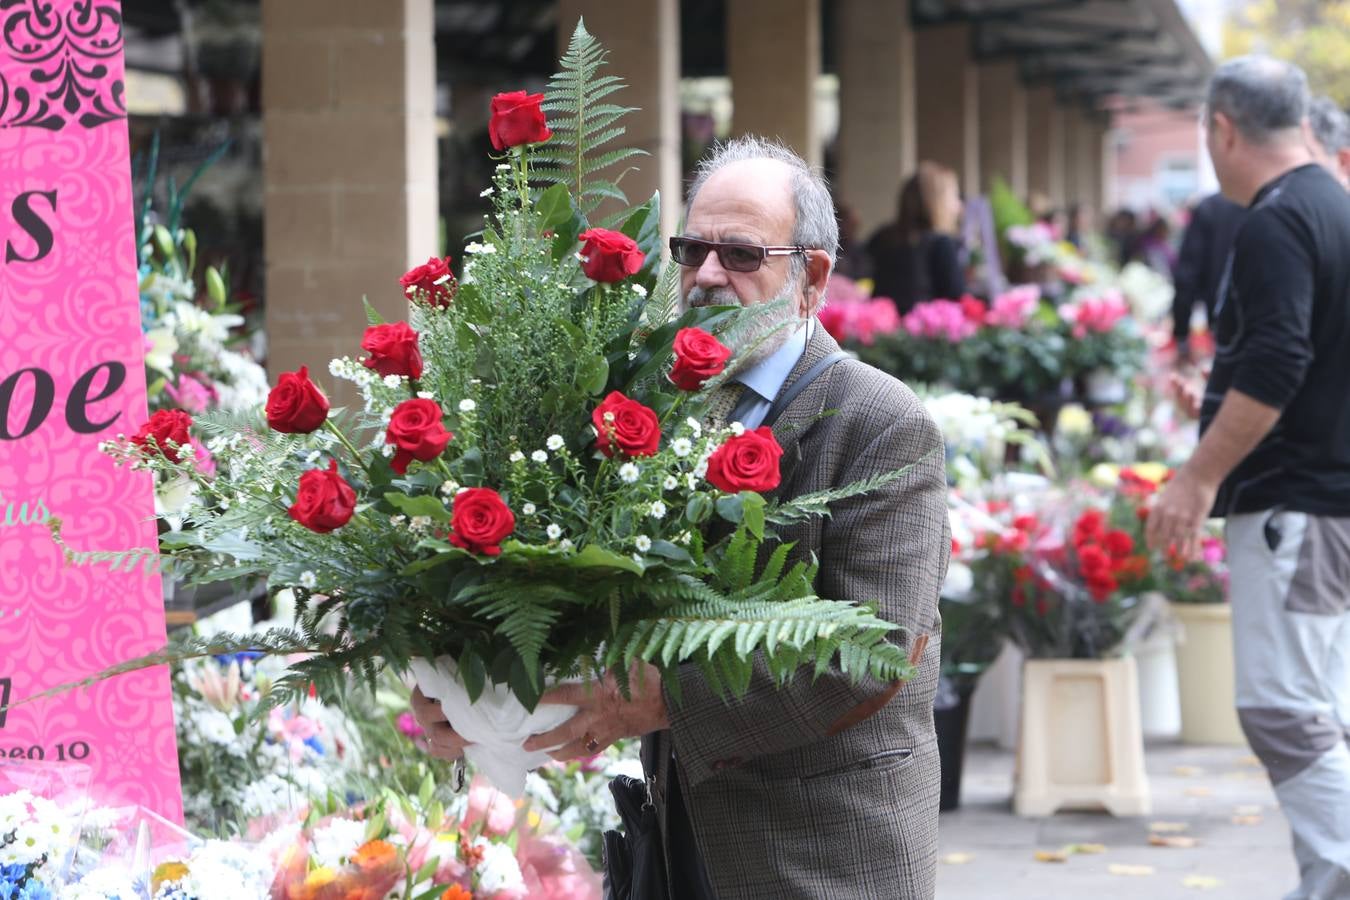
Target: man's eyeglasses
{"x": 734, "y": 257}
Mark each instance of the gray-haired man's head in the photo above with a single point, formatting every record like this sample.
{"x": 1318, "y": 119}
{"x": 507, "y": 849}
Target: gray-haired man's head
{"x": 753, "y": 191}
{"x": 1330, "y": 144}
{"x": 1256, "y": 107}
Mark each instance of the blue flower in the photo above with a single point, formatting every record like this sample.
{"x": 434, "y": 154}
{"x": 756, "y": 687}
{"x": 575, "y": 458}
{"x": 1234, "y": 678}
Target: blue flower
{"x": 34, "y": 890}
{"x": 241, "y": 657}
{"x": 313, "y": 743}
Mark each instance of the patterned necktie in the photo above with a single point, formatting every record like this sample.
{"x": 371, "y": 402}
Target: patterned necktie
{"x": 722, "y": 403}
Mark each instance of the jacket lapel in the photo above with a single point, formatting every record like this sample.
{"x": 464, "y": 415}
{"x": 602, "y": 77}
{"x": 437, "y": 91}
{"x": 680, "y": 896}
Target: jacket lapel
{"x": 807, "y": 407}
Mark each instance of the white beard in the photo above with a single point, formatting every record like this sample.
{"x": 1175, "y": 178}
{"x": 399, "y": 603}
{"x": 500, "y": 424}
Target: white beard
{"x": 748, "y": 337}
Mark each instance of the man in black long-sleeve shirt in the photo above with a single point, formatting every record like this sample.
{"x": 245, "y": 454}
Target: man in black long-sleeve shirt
{"x": 1274, "y": 457}
{"x": 1200, "y": 264}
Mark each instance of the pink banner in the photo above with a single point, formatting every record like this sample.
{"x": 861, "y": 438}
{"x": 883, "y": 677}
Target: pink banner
{"x": 72, "y": 374}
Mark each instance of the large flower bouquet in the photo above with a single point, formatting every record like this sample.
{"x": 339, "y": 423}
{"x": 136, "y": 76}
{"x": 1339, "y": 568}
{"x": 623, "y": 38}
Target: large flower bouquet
{"x": 525, "y": 489}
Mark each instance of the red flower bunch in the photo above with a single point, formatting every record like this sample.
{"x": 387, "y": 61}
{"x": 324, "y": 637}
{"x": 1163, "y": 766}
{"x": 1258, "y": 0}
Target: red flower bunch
{"x": 1106, "y": 557}
{"x": 432, "y": 282}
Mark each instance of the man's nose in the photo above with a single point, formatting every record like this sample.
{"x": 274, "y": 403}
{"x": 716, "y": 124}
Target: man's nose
{"x": 711, "y": 274}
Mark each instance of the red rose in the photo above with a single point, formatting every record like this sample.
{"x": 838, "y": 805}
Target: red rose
{"x": 296, "y": 405}
{"x": 633, "y": 429}
{"x": 609, "y": 256}
{"x": 417, "y": 431}
{"x": 324, "y": 501}
{"x": 430, "y": 282}
{"x": 1100, "y": 587}
{"x": 1093, "y": 560}
{"x": 746, "y": 463}
{"x": 1088, "y": 527}
{"x": 517, "y": 119}
{"x": 393, "y": 350}
{"x": 167, "y": 426}
{"x": 480, "y": 521}
{"x": 1119, "y": 544}
{"x": 698, "y": 357}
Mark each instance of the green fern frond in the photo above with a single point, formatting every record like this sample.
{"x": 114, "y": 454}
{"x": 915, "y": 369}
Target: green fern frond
{"x": 807, "y": 506}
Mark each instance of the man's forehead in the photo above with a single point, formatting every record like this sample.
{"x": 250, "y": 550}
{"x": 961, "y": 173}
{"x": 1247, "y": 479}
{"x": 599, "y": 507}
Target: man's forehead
{"x": 743, "y": 200}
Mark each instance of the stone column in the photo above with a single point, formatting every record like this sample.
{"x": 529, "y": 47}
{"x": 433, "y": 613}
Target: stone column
{"x": 1045, "y": 145}
{"x": 773, "y": 59}
{"x": 1089, "y": 160}
{"x": 349, "y": 168}
{"x": 644, "y": 50}
{"x": 1071, "y": 136}
{"x": 1003, "y": 126}
{"x": 877, "y": 148}
{"x": 948, "y": 107}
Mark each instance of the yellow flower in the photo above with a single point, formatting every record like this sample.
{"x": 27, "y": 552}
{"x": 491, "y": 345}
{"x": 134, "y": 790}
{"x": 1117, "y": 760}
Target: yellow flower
{"x": 533, "y": 818}
{"x": 1074, "y": 421}
{"x": 166, "y": 873}
{"x": 1150, "y": 471}
{"x": 1105, "y": 475}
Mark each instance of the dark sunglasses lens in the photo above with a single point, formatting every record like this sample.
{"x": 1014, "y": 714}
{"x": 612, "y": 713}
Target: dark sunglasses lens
{"x": 740, "y": 259}
{"x": 688, "y": 253}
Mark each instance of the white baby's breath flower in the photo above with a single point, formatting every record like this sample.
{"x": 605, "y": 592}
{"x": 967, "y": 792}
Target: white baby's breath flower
{"x": 449, "y": 487}
{"x": 397, "y": 520}
{"x": 637, "y": 558}
{"x": 701, "y": 469}
{"x": 420, "y": 522}
{"x": 393, "y": 381}
{"x": 671, "y": 483}
{"x": 658, "y": 510}
{"x": 486, "y": 192}
{"x": 308, "y": 580}
{"x": 628, "y": 473}
{"x": 639, "y": 290}
{"x": 312, "y": 457}
{"x": 387, "y": 450}
{"x": 516, "y": 456}
{"x": 467, "y": 405}
{"x": 554, "y": 531}
{"x": 694, "y": 425}
{"x": 539, "y": 456}
{"x": 555, "y": 442}
{"x": 683, "y": 538}
{"x": 609, "y": 415}
{"x": 528, "y": 509}
{"x": 565, "y": 544}
{"x": 681, "y": 447}
{"x": 643, "y": 543}
{"x": 692, "y": 481}
{"x": 425, "y": 395}
{"x": 737, "y": 429}
{"x": 503, "y": 167}
{"x": 337, "y": 368}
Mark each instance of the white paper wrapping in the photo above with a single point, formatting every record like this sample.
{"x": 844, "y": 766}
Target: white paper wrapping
{"x": 496, "y": 724}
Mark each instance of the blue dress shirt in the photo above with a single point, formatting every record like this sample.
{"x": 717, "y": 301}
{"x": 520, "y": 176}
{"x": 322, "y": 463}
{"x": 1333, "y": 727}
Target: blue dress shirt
{"x": 764, "y": 381}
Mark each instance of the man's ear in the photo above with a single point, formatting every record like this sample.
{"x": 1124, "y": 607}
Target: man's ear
{"x": 1343, "y": 160}
{"x": 818, "y": 267}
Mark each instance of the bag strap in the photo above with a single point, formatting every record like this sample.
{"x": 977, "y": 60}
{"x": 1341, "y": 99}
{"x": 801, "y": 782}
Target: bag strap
{"x": 787, "y": 396}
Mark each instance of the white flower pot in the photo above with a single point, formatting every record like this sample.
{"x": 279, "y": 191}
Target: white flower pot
{"x": 495, "y": 725}
{"x": 1159, "y": 705}
{"x": 996, "y": 704}
{"x": 1205, "y": 674}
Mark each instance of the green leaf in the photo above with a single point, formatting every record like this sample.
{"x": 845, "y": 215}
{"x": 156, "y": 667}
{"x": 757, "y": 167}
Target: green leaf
{"x": 668, "y": 550}
{"x": 592, "y": 375}
{"x": 373, "y": 316}
{"x": 698, "y": 509}
{"x": 752, "y": 508}
{"x": 472, "y": 672}
{"x": 423, "y": 505}
{"x": 732, "y": 508}
{"x": 554, "y": 206}
{"x": 593, "y": 556}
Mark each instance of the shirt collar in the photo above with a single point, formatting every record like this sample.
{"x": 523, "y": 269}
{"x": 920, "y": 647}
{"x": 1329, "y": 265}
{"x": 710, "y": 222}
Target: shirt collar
{"x": 766, "y": 378}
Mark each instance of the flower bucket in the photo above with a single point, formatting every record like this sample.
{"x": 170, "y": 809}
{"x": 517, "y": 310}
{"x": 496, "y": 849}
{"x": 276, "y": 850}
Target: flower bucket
{"x": 1205, "y": 674}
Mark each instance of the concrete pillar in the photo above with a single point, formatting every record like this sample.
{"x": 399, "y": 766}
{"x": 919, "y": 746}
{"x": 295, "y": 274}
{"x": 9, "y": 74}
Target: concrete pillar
{"x": 773, "y": 59}
{"x": 948, "y": 108}
{"x": 876, "y": 144}
{"x": 1045, "y": 145}
{"x": 644, "y": 50}
{"x": 1003, "y": 126}
{"x": 1089, "y": 160}
{"x": 1070, "y": 134}
{"x": 1106, "y": 179}
{"x": 349, "y": 168}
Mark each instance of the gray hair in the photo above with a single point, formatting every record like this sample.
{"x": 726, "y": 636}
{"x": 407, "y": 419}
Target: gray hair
{"x": 1260, "y": 95}
{"x": 816, "y": 227}
{"x": 1330, "y": 124}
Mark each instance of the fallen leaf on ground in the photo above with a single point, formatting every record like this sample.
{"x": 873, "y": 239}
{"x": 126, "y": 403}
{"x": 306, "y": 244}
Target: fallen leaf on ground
{"x": 1249, "y": 810}
{"x": 1123, "y": 869}
{"x": 1085, "y": 848}
{"x": 1188, "y": 771}
{"x": 1249, "y": 761}
{"x": 1201, "y": 882}
{"x": 1198, "y": 792}
{"x": 957, "y": 859}
{"x": 1246, "y": 820}
{"x": 1171, "y": 840}
{"x": 1052, "y": 856}
{"x": 1168, "y": 826}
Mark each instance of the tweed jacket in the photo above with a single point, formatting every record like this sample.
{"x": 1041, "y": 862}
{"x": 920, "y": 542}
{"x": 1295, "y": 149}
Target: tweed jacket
{"x": 811, "y": 791}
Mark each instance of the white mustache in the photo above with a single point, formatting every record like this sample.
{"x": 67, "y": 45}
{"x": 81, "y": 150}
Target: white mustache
{"x": 698, "y": 296}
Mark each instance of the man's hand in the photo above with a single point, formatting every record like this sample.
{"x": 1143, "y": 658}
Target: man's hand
{"x": 442, "y": 740}
{"x": 603, "y": 716}
{"x": 1188, "y": 392}
{"x": 1178, "y": 513}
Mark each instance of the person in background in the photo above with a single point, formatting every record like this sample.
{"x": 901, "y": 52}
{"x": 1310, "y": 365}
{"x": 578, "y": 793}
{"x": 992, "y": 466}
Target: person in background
{"x": 1153, "y": 247}
{"x": 919, "y": 257}
{"x": 1080, "y": 224}
{"x": 1200, "y": 264}
{"x": 1274, "y": 456}
{"x": 1122, "y": 230}
{"x": 852, "y": 260}
{"x": 1330, "y": 138}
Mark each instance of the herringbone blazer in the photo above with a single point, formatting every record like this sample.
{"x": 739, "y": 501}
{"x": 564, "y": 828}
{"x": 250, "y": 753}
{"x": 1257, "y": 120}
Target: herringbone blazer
{"x": 789, "y": 794}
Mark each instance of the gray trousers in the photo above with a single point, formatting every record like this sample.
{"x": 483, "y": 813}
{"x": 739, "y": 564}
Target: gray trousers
{"x": 1291, "y": 638}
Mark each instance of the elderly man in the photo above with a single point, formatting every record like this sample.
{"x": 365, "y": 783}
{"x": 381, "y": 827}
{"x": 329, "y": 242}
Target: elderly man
{"x": 1330, "y": 143}
{"x": 823, "y": 788}
{"x": 1274, "y": 456}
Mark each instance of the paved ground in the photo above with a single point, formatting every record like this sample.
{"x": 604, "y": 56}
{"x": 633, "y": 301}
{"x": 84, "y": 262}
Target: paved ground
{"x": 1220, "y": 794}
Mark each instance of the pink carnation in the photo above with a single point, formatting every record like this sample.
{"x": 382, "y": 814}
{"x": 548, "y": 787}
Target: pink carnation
{"x": 860, "y": 321}
{"x": 1097, "y": 315}
{"x": 190, "y": 395}
{"x": 941, "y": 319}
{"x": 407, "y": 723}
{"x": 491, "y": 807}
{"x": 1013, "y": 308}
{"x": 1212, "y": 550}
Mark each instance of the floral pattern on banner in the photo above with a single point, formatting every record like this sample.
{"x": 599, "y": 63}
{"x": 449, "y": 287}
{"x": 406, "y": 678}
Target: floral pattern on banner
{"x": 63, "y": 65}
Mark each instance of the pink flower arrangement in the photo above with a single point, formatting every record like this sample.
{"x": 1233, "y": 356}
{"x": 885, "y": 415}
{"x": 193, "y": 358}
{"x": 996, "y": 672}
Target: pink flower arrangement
{"x": 860, "y": 321}
{"x": 1096, "y": 315}
{"x": 940, "y": 319}
{"x": 1013, "y": 308}
{"x": 190, "y": 394}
